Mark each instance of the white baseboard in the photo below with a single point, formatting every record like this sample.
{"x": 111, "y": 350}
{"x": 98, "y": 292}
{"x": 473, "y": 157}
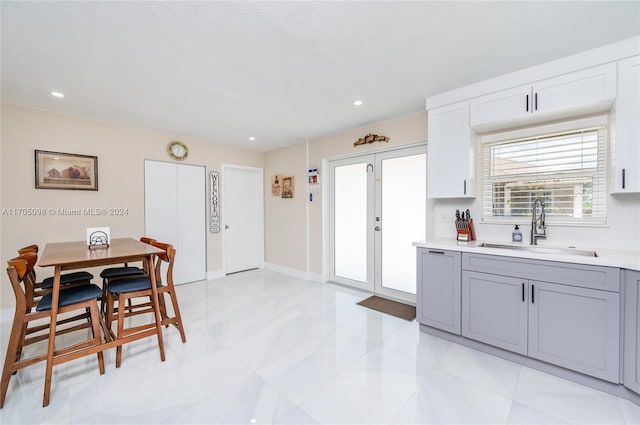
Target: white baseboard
{"x": 299, "y": 274}
{"x": 215, "y": 274}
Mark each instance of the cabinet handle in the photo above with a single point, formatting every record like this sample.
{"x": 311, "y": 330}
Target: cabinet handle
{"x": 436, "y": 252}
{"x": 623, "y": 177}
{"x": 465, "y": 187}
{"x": 522, "y": 291}
{"x": 527, "y": 104}
{"x": 533, "y": 294}
{"x": 536, "y": 101}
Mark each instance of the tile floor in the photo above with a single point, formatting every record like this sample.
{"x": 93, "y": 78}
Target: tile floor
{"x": 263, "y": 347}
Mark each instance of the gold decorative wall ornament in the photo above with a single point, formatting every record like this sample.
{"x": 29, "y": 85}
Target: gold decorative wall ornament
{"x": 370, "y": 138}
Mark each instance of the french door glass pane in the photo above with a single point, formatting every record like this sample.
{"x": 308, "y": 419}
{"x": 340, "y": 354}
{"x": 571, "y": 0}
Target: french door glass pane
{"x": 403, "y": 219}
{"x": 350, "y": 230}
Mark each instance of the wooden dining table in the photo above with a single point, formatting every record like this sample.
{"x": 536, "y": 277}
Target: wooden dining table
{"x": 76, "y": 255}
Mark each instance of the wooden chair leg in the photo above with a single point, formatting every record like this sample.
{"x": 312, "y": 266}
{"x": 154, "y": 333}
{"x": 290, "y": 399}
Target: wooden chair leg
{"x": 97, "y": 338}
{"x": 121, "y": 308}
{"x": 9, "y": 360}
{"x": 176, "y": 311}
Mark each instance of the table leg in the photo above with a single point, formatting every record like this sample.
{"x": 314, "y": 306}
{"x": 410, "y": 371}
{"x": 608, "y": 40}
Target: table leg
{"x": 156, "y": 306}
{"x": 52, "y": 335}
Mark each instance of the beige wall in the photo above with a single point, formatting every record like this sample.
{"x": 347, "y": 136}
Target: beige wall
{"x": 285, "y": 222}
{"x": 121, "y": 152}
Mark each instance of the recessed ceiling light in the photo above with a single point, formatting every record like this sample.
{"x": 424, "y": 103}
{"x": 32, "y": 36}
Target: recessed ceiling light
{"x": 358, "y": 102}
{"x": 57, "y": 94}
{"x": 252, "y": 138}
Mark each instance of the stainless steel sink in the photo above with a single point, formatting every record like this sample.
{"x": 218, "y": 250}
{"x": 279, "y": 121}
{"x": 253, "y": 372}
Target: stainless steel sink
{"x": 542, "y": 249}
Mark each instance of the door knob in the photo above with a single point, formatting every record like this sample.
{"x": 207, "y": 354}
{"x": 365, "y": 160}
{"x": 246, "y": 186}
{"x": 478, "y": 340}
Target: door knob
{"x": 377, "y": 228}
{"x": 226, "y": 226}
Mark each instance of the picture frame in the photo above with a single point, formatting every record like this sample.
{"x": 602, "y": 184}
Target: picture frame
{"x": 287, "y": 187}
{"x": 59, "y": 170}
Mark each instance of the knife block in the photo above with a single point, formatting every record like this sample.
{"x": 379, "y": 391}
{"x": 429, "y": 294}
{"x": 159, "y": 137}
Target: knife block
{"x": 465, "y": 231}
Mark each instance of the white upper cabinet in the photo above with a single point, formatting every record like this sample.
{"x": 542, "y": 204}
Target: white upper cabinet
{"x": 580, "y": 92}
{"x": 450, "y": 153}
{"x": 627, "y": 137}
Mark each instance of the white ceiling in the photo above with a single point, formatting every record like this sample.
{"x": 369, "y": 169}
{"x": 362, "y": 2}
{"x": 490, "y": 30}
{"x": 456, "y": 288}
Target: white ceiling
{"x": 284, "y": 72}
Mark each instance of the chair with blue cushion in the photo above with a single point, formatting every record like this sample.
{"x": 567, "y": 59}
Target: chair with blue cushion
{"x": 80, "y": 298}
{"x": 126, "y": 270}
{"x": 134, "y": 287}
{"x": 67, "y": 280}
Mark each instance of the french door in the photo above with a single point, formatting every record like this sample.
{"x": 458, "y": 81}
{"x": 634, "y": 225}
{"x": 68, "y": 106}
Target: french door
{"x": 377, "y": 209}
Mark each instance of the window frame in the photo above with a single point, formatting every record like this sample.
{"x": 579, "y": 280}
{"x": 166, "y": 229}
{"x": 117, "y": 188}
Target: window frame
{"x": 599, "y": 122}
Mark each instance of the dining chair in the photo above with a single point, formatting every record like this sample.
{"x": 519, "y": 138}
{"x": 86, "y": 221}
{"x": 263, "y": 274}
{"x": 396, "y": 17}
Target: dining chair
{"x": 80, "y": 298}
{"x": 127, "y": 289}
{"x": 126, "y": 270}
{"x": 31, "y": 301}
{"x": 111, "y": 273}
{"x": 66, "y": 280}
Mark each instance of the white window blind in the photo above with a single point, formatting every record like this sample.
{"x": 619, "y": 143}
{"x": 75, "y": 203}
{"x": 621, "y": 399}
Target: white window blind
{"x": 567, "y": 170}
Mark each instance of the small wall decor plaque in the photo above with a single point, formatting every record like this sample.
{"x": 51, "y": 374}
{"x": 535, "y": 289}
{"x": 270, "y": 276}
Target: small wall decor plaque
{"x": 276, "y": 185}
{"x": 58, "y": 170}
{"x": 215, "y": 202}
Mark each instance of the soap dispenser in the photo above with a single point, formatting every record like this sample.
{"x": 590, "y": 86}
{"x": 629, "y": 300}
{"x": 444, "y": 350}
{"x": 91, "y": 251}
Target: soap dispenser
{"x": 516, "y": 236}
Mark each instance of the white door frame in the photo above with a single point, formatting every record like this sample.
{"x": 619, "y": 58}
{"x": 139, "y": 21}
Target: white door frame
{"x": 223, "y": 223}
{"x": 326, "y": 205}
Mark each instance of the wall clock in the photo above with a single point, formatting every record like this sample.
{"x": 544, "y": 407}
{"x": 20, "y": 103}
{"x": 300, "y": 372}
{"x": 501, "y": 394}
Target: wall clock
{"x": 178, "y": 150}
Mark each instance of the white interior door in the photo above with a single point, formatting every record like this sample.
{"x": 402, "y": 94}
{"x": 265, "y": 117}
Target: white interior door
{"x": 175, "y": 213}
{"x": 243, "y": 218}
{"x": 377, "y": 209}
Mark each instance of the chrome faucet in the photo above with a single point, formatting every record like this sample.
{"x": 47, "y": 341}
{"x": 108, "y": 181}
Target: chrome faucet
{"x": 537, "y": 222}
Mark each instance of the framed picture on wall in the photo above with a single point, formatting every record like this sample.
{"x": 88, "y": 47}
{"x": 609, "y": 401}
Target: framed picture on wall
{"x": 287, "y": 187}
{"x": 58, "y": 170}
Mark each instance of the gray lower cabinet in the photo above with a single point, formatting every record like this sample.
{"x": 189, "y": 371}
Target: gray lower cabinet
{"x": 632, "y": 331}
{"x": 494, "y": 310}
{"x": 438, "y": 289}
{"x": 570, "y": 326}
{"x": 577, "y": 328}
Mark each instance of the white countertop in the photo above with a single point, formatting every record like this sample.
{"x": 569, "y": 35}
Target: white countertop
{"x": 605, "y": 257}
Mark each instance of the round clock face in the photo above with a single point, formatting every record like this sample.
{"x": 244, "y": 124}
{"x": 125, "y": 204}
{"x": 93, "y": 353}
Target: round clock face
{"x": 178, "y": 150}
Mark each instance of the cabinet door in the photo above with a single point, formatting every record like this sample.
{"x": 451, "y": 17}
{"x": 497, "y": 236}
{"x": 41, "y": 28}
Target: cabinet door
{"x": 632, "y": 332}
{"x": 450, "y": 153}
{"x": 576, "y": 90}
{"x": 438, "y": 289}
{"x": 576, "y": 328}
{"x": 627, "y": 142}
{"x": 494, "y": 310}
{"x": 506, "y": 105}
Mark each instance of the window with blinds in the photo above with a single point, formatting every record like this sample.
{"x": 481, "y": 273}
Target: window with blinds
{"x": 568, "y": 170}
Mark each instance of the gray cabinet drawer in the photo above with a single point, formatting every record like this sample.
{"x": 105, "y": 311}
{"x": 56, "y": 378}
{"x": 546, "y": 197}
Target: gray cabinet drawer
{"x": 581, "y": 275}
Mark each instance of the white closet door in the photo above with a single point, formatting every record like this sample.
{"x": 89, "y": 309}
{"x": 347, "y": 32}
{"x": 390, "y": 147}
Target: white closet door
{"x": 175, "y": 213}
{"x": 191, "y": 255}
{"x": 160, "y": 200}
